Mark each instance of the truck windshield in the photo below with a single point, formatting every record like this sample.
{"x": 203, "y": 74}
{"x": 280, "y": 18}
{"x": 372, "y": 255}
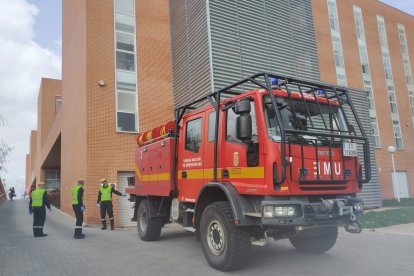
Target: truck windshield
{"x": 322, "y": 119}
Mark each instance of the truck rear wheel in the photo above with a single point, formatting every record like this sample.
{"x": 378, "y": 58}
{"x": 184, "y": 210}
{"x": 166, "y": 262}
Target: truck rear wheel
{"x": 225, "y": 246}
{"x": 149, "y": 229}
{"x": 316, "y": 242}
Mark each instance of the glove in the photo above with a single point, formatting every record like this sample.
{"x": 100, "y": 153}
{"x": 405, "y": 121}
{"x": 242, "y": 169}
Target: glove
{"x": 98, "y": 205}
{"x": 30, "y": 212}
{"x": 83, "y": 208}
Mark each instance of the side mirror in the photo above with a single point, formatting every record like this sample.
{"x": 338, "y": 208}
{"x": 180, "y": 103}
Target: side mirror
{"x": 244, "y": 121}
{"x": 242, "y": 107}
{"x": 244, "y": 128}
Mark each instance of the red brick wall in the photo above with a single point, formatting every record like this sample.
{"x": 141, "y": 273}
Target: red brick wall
{"x": 109, "y": 151}
{"x": 370, "y": 9}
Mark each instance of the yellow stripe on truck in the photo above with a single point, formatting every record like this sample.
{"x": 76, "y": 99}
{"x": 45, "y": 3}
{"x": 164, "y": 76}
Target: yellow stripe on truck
{"x": 199, "y": 174}
{"x": 152, "y": 176}
{"x": 256, "y": 172}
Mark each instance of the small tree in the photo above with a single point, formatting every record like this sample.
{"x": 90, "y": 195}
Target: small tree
{"x": 5, "y": 150}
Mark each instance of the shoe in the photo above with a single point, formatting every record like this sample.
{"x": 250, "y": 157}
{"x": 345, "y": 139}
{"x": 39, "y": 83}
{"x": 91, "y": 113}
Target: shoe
{"x": 103, "y": 228}
{"x": 82, "y": 236}
{"x": 43, "y": 235}
{"x": 112, "y": 228}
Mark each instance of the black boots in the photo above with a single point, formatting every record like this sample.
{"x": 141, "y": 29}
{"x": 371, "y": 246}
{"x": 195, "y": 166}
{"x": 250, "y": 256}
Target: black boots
{"x": 78, "y": 234}
{"x": 38, "y": 232}
{"x": 104, "y": 225}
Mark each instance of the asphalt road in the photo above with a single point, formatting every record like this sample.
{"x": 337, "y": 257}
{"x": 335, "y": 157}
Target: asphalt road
{"x": 121, "y": 252}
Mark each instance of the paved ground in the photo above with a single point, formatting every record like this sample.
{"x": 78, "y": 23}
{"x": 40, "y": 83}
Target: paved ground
{"x": 402, "y": 229}
{"x": 122, "y": 253}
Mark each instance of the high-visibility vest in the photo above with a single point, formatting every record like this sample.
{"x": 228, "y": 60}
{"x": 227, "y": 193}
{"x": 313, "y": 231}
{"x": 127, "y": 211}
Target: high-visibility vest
{"x": 75, "y": 191}
{"x": 106, "y": 193}
{"x": 37, "y": 197}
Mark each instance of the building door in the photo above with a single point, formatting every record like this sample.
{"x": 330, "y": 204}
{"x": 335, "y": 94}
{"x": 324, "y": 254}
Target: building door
{"x": 402, "y": 183}
{"x": 125, "y": 207}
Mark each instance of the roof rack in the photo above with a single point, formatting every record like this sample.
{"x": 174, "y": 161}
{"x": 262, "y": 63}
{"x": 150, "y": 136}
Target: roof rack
{"x": 263, "y": 80}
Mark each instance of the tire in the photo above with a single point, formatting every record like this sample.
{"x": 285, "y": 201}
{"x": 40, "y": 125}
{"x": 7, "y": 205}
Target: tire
{"x": 316, "y": 242}
{"x": 149, "y": 229}
{"x": 225, "y": 246}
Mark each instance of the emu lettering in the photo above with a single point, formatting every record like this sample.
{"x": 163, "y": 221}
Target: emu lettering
{"x": 324, "y": 168}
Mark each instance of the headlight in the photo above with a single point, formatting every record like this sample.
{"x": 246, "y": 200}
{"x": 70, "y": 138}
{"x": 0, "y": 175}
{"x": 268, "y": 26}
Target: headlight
{"x": 280, "y": 211}
{"x": 358, "y": 207}
{"x": 268, "y": 211}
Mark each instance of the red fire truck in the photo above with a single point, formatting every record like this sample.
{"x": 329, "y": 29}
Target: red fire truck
{"x": 279, "y": 161}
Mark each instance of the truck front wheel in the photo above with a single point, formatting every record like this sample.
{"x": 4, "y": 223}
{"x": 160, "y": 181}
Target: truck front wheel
{"x": 149, "y": 229}
{"x": 316, "y": 241}
{"x": 225, "y": 246}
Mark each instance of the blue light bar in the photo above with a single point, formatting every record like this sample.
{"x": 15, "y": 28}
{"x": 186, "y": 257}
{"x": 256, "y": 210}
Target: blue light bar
{"x": 275, "y": 81}
{"x": 320, "y": 92}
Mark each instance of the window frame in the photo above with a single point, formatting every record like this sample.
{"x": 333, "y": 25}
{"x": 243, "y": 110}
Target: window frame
{"x": 200, "y": 118}
{"x": 210, "y": 117}
{"x": 121, "y": 71}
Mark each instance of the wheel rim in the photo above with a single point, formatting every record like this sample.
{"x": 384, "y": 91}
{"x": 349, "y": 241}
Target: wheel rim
{"x": 143, "y": 221}
{"x": 215, "y": 238}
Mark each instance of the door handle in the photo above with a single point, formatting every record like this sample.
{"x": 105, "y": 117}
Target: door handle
{"x": 183, "y": 175}
{"x": 225, "y": 173}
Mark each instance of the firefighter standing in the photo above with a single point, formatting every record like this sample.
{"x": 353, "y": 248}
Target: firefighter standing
{"x": 105, "y": 202}
{"x": 38, "y": 202}
{"x": 78, "y": 208}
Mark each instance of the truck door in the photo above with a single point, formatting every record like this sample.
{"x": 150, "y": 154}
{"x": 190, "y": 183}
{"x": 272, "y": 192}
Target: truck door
{"x": 241, "y": 162}
{"x": 190, "y": 157}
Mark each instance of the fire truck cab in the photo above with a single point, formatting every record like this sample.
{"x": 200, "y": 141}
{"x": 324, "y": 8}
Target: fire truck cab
{"x": 281, "y": 160}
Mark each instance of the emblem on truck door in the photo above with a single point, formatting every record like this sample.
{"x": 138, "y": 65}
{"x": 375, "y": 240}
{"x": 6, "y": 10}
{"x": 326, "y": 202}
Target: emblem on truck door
{"x": 236, "y": 159}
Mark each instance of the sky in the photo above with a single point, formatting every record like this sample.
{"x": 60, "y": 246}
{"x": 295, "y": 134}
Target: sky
{"x": 30, "y": 48}
{"x": 404, "y": 5}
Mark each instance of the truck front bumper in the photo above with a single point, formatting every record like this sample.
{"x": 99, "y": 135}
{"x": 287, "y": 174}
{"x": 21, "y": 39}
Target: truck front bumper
{"x": 299, "y": 213}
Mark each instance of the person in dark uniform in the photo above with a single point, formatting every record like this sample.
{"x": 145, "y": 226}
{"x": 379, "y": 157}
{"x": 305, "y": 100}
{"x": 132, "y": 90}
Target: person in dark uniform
{"x": 38, "y": 202}
{"x": 78, "y": 208}
{"x": 105, "y": 202}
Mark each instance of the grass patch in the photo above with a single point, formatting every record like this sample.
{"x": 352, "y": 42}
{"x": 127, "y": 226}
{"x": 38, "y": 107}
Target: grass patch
{"x": 395, "y": 203}
{"x": 389, "y": 217}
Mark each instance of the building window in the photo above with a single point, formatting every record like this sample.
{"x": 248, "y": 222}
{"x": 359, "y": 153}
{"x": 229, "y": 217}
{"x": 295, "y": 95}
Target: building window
{"x": 337, "y": 43}
{"x": 407, "y": 66}
{"x": 125, "y": 6}
{"x": 366, "y": 73}
{"x": 390, "y": 82}
{"x": 125, "y": 63}
{"x": 193, "y": 135}
{"x": 58, "y": 103}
